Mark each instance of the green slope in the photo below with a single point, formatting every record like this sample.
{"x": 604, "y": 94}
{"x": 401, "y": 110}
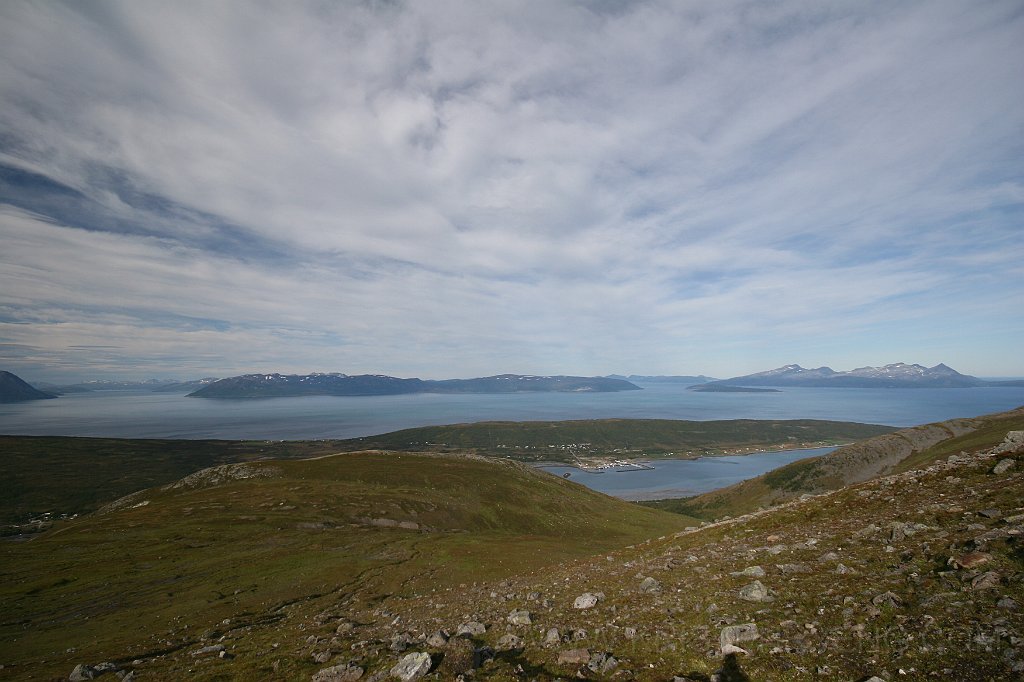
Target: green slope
{"x": 533, "y": 441}
{"x": 249, "y": 546}
{"x": 66, "y": 476}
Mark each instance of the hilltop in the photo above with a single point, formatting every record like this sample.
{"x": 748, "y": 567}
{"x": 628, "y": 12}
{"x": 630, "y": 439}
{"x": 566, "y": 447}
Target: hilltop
{"x": 348, "y": 567}
{"x": 288, "y": 385}
{"x": 13, "y": 389}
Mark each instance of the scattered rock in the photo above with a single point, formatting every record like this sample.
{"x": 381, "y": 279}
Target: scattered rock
{"x": 400, "y": 642}
{"x": 212, "y": 649}
{"x": 602, "y": 663}
{"x": 509, "y": 643}
{"x": 1003, "y": 466}
{"x": 649, "y": 584}
{"x": 519, "y": 617}
{"x": 985, "y": 581}
{"x": 471, "y": 629}
{"x": 755, "y": 591}
{"x": 552, "y": 636}
{"x": 887, "y": 599}
{"x": 339, "y": 673}
{"x": 82, "y": 672}
{"x": 438, "y": 639}
{"x": 587, "y": 600}
{"x": 747, "y": 632}
{"x": 412, "y": 667}
{"x": 749, "y": 571}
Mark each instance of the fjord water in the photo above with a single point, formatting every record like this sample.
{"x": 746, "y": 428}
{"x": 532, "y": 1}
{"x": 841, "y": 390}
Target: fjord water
{"x": 142, "y": 414}
{"x": 683, "y": 477}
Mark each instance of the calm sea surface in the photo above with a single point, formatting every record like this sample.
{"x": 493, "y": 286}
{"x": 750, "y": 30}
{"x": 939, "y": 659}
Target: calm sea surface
{"x": 141, "y": 414}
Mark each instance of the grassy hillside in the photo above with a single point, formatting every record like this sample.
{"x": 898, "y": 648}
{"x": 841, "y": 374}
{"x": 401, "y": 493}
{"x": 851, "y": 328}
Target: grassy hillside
{"x": 65, "y": 476}
{"x": 564, "y": 440}
{"x": 892, "y": 453}
{"x": 257, "y": 548}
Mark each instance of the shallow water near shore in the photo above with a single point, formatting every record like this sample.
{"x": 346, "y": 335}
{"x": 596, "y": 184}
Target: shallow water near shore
{"x": 682, "y": 477}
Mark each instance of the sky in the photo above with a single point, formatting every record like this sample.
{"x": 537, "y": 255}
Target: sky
{"x": 455, "y": 189}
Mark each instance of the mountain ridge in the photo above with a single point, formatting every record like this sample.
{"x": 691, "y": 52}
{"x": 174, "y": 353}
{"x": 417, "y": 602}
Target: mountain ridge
{"x": 895, "y": 375}
{"x": 14, "y": 389}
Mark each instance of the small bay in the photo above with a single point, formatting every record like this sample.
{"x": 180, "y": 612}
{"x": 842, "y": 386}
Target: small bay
{"x": 682, "y": 477}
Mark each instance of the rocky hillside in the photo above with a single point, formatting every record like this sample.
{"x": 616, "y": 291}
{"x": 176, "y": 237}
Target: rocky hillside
{"x": 861, "y": 461}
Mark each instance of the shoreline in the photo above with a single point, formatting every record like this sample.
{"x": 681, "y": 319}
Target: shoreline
{"x": 646, "y": 463}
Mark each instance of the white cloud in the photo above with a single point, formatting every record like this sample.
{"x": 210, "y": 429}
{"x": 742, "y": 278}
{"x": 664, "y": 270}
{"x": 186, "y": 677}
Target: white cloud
{"x": 441, "y": 189}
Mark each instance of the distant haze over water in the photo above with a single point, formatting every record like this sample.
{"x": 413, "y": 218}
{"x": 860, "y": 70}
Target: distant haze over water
{"x": 142, "y": 414}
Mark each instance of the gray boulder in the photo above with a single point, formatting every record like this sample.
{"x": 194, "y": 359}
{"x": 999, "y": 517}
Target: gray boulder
{"x": 602, "y": 663}
{"x": 339, "y": 673}
{"x": 587, "y": 600}
{"x": 519, "y": 617}
{"x": 82, "y": 672}
{"x": 207, "y": 650}
{"x": 755, "y": 591}
{"x": 438, "y": 639}
{"x": 412, "y": 667}
{"x": 649, "y": 584}
{"x": 747, "y": 632}
{"x": 1003, "y": 466}
{"x": 749, "y": 572}
{"x": 509, "y": 643}
{"x": 471, "y": 629}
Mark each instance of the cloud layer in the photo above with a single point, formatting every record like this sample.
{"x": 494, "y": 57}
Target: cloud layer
{"x": 442, "y": 189}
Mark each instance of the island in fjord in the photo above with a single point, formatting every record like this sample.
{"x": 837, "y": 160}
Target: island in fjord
{"x": 288, "y": 385}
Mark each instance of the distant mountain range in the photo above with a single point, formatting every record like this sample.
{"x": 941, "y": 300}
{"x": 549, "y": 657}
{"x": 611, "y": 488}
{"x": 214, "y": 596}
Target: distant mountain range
{"x": 13, "y": 389}
{"x": 897, "y": 375}
{"x": 284, "y": 385}
{"x": 155, "y": 385}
